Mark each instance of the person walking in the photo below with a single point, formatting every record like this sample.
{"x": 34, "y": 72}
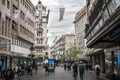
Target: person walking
{"x": 97, "y": 71}
{"x": 65, "y": 66}
{"x": 86, "y": 67}
{"x": 46, "y": 68}
{"x": 81, "y": 70}
{"x": 36, "y": 68}
{"x": 75, "y": 70}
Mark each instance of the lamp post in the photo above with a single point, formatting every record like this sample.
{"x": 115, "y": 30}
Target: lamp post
{"x": 31, "y": 55}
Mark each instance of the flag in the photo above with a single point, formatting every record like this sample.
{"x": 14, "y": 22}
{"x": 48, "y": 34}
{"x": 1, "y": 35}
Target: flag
{"x": 48, "y": 15}
{"x": 16, "y": 15}
{"x": 27, "y": 16}
{"x": 3, "y": 14}
{"x": 62, "y": 10}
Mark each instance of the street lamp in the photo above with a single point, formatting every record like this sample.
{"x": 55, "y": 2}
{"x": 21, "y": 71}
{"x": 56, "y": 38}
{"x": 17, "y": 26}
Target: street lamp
{"x": 31, "y": 55}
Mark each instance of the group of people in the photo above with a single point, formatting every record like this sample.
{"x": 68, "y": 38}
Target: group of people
{"x": 14, "y": 72}
{"x": 82, "y": 68}
{"x": 67, "y": 66}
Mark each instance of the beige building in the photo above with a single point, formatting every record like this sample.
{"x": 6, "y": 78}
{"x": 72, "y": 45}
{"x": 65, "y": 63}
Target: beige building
{"x": 17, "y": 28}
{"x": 62, "y": 45}
{"x": 80, "y": 24}
{"x": 41, "y": 20}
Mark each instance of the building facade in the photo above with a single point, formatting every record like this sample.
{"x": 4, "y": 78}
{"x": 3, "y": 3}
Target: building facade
{"x": 41, "y": 20}
{"x": 103, "y": 32}
{"x": 18, "y": 30}
{"x": 80, "y": 23}
{"x": 62, "y": 45}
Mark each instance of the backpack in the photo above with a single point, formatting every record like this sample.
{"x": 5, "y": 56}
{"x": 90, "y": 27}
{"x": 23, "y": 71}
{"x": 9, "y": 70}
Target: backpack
{"x": 81, "y": 67}
{"x": 97, "y": 69}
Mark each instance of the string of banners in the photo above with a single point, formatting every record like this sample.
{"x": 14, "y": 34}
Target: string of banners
{"x": 62, "y": 10}
{"x": 16, "y": 15}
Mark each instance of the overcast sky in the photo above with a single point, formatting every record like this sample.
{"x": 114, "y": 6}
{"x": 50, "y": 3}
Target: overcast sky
{"x": 65, "y": 26}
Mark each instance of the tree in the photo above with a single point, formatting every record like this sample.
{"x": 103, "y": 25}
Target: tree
{"x": 72, "y": 53}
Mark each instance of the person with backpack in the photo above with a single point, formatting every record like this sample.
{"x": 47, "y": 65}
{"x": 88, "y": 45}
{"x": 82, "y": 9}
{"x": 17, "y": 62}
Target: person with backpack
{"x": 81, "y": 70}
{"x": 97, "y": 71}
{"x": 75, "y": 70}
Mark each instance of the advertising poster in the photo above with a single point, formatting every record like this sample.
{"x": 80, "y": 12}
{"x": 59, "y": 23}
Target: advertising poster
{"x": 51, "y": 63}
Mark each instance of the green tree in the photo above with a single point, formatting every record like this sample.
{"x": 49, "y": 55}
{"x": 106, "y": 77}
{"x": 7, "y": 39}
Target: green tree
{"x": 72, "y": 53}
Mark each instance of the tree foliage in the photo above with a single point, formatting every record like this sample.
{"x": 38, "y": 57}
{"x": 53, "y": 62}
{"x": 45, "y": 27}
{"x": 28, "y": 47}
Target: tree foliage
{"x": 72, "y": 53}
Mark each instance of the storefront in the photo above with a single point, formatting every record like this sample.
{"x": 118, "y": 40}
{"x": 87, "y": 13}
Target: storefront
{"x": 4, "y": 51}
{"x": 98, "y": 56}
{"x": 112, "y": 61}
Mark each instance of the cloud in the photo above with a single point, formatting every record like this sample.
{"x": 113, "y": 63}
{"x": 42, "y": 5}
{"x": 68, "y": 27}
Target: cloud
{"x": 65, "y": 26}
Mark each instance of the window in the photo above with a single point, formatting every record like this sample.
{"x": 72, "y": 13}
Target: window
{"x": 14, "y": 8}
{"x": 117, "y": 2}
{"x": 3, "y": 2}
{"x": 22, "y": 1}
{"x": 8, "y": 4}
{"x": 9, "y": 27}
{"x": 20, "y": 14}
{"x": 105, "y": 15}
{"x": 112, "y": 6}
{"x": 3, "y": 25}
{"x": 44, "y": 19}
{"x": 14, "y": 26}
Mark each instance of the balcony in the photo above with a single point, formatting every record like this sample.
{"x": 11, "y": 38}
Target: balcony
{"x": 104, "y": 31}
{"x": 40, "y": 45}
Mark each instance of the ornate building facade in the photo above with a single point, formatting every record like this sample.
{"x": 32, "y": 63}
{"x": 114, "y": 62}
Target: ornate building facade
{"x": 41, "y": 20}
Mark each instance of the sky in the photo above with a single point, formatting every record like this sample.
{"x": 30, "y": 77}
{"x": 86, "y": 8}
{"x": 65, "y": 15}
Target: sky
{"x": 55, "y": 27}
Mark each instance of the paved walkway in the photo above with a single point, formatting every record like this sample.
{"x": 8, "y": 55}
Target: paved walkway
{"x": 59, "y": 74}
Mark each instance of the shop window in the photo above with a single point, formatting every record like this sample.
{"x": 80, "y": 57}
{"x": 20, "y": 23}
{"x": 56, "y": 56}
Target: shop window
{"x": 117, "y": 63}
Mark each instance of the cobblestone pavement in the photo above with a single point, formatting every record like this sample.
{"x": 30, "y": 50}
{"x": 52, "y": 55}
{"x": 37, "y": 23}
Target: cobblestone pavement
{"x": 59, "y": 74}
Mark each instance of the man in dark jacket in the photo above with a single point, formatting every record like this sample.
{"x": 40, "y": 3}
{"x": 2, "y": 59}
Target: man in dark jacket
{"x": 75, "y": 70}
{"x": 81, "y": 70}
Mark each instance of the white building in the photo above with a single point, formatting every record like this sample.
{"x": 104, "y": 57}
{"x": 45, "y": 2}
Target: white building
{"x": 60, "y": 47}
{"x": 80, "y": 24}
{"x": 41, "y": 46}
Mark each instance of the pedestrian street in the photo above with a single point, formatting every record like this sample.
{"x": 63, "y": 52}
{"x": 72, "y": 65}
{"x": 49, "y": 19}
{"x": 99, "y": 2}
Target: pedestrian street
{"x": 59, "y": 74}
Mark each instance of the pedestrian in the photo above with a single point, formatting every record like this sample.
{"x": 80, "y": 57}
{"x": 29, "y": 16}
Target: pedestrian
{"x": 81, "y": 70}
{"x": 46, "y": 68}
{"x": 97, "y": 71}
{"x": 75, "y": 70}
{"x": 86, "y": 67}
{"x": 30, "y": 70}
{"x": 3, "y": 71}
{"x": 36, "y": 68}
{"x": 65, "y": 66}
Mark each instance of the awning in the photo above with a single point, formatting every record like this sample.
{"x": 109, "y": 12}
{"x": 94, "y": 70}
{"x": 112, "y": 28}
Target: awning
{"x": 96, "y": 52}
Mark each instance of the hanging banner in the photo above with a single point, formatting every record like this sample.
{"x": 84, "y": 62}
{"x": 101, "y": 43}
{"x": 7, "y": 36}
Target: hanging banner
{"x": 62, "y": 10}
{"x": 3, "y": 14}
{"x": 27, "y": 16}
{"x": 16, "y": 15}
